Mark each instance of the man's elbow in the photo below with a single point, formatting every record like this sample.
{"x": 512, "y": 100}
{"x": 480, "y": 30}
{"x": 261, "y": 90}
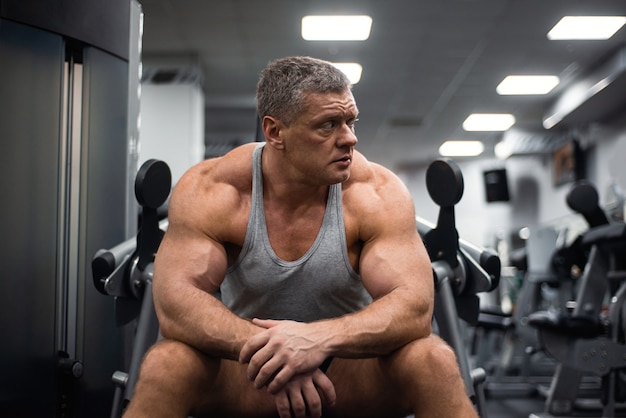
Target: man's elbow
{"x": 167, "y": 325}
{"x": 424, "y": 329}
{"x": 424, "y": 321}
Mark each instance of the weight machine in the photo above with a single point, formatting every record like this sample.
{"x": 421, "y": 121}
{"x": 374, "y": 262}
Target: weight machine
{"x": 591, "y": 340}
{"x": 125, "y": 272}
{"x": 461, "y": 270}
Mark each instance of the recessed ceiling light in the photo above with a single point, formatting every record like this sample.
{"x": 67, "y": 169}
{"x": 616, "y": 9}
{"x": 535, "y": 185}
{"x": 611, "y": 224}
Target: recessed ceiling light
{"x": 527, "y": 84}
{"x": 461, "y": 148}
{"x": 336, "y": 28}
{"x": 503, "y": 150}
{"x": 586, "y": 27}
{"x": 351, "y": 69}
{"x": 489, "y": 122}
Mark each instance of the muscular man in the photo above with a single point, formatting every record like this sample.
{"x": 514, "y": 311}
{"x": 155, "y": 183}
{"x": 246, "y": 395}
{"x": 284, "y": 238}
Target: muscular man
{"x": 282, "y": 256}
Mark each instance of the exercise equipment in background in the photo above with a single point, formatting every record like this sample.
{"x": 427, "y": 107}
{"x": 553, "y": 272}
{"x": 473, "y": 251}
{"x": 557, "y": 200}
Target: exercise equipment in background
{"x": 125, "y": 272}
{"x": 461, "y": 271}
{"x": 591, "y": 339}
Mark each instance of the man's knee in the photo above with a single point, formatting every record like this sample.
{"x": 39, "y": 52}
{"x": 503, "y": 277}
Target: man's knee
{"x": 172, "y": 361}
{"x": 160, "y": 355}
{"x": 429, "y": 357}
{"x": 427, "y": 370}
{"x": 438, "y": 354}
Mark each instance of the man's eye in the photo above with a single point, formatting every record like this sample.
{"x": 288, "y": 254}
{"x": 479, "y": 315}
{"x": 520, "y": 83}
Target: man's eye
{"x": 328, "y": 125}
{"x": 352, "y": 122}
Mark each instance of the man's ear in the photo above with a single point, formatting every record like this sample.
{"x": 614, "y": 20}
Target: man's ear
{"x": 271, "y": 129}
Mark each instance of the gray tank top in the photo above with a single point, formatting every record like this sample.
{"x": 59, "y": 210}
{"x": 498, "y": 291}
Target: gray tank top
{"x": 321, "y": 284}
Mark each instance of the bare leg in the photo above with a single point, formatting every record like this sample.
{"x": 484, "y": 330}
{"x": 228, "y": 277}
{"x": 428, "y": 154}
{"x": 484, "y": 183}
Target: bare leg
{"x": 429, "y": 378}
{"x": 422, "y": 378}
{"x": 176, "y": 380}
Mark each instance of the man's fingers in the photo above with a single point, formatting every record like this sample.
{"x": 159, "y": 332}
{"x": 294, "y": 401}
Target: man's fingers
{"x": 312, "y": 399}
{"x": 258, "y": 341}
{"x": 282, "y": 405}
{"x": 254, "y": 344}
{"x": 263, "y": 371}
{"x": 265, "y": 323}
{"x": 304, "y": 400}
{"x": 325, "y": 388}
{"x": 305, "y": 396}
{"x": 281, "y": 378}
{"x": 297, "y": 403}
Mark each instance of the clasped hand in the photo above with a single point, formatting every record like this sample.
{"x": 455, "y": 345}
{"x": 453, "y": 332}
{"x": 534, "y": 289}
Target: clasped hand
{"x": 285, "y": 357}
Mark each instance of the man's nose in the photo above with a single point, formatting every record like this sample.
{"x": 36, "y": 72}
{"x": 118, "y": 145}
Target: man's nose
{"x": 347, "y": 136}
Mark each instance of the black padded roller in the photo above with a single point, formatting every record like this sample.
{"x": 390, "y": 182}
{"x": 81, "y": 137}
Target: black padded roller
{"x": 153, "y": 184}
{"x": 444, "y": 181}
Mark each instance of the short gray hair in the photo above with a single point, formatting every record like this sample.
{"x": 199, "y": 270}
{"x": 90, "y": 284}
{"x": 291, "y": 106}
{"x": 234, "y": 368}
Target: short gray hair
{"x": 284, "y": 82}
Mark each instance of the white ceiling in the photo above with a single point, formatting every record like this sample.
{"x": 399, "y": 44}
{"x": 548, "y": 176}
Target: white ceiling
{"x": 427, "y": 65}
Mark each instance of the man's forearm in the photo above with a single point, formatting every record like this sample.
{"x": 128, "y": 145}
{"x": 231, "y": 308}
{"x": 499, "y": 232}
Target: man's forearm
{"x": 380, "y": 328}
{"x": 202, "y": 321}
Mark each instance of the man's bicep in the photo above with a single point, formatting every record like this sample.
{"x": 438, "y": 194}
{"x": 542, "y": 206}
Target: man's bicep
{"x": 189, "y": 257}
{"x": 393, "y": 253}
{"x": 396, "y": 259}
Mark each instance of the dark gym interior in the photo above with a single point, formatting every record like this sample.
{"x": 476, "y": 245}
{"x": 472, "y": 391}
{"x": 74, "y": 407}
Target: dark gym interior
{"x": 104, "y": 106}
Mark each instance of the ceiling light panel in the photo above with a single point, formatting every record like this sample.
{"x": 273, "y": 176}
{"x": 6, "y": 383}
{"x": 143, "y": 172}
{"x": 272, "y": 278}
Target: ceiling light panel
{"x": 527, "y": 84}
{"x": 503, "y": 150}
{"x": 352, "y": 70}
{"x": 336, "y": 28}
{"x": 586, "y": 27}
{"x": 488, "y": 122}
{"x": 461, "y": 148}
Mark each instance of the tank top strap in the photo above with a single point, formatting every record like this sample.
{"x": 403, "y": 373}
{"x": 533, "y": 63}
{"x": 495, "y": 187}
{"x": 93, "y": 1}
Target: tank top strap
{"x": 252, "y": 227}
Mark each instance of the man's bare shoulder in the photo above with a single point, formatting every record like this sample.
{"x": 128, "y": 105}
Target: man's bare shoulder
{"x": 375, "y": 196}
{"x": 234, "y": 169}
{"x": 373, "y": 179}
{"x": 214, "y": 188}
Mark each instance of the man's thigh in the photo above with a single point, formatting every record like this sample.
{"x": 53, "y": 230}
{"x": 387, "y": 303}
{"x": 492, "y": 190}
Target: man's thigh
{"x": 364, "y": 389}
{"x": 233, "y": 395}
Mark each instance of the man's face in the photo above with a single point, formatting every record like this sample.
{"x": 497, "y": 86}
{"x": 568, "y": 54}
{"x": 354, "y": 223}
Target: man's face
{"x": 320, "y": 142}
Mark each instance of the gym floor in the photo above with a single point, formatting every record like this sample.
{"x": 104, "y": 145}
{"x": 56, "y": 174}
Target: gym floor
{"x": 520, "y": 407}
{"x": 514, "y": 407}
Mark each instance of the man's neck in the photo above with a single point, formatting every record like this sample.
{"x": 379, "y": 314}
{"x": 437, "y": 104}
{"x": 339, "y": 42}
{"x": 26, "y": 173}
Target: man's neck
{"x": 289, "y": 189}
